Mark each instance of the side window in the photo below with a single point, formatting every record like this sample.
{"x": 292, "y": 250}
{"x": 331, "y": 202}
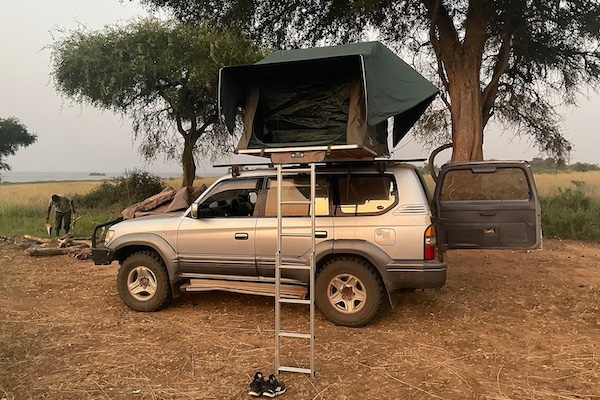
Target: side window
{"x": 231, "y": 198}
{"x": 365, "y": 195}
{"x": 496, "y": 185}
{"x": 297, "y": 188}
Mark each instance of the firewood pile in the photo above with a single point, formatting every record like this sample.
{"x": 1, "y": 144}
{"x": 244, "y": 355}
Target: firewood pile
{"x": 80, "y": 248}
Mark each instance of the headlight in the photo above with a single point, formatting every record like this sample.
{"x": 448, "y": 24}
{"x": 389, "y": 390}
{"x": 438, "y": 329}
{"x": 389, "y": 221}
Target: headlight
{"x": 109, "y": 236}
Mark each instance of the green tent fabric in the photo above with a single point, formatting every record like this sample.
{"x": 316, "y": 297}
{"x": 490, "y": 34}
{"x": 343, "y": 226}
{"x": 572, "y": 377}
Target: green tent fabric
{"x": 325, "y": 96}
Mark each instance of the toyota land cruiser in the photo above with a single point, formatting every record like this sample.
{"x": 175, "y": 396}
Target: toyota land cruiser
{"x": 377, "y": 231}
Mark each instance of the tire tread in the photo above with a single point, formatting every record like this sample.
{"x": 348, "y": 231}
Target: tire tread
{"x": 160, "y": 298}
{"x": 371, "y": 274}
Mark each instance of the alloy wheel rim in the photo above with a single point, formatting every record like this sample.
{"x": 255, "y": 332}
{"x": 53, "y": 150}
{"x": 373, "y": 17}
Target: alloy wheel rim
{"x": 347, "y": 294}
{"x": 142, "y": 283}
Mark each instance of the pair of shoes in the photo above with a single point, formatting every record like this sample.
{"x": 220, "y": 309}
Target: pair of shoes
{"x": 269, "y": 388}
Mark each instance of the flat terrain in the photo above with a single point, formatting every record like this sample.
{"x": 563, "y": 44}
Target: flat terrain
{"x": 508, "y": 325}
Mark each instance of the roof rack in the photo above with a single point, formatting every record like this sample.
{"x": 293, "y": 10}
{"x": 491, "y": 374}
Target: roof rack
{"x": 237, "y": 167}
{"x": 371, "y": 161}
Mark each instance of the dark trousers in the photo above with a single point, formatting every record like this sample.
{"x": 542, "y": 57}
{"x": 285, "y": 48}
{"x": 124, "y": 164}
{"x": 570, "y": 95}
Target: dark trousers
{"x": 62, "y": 218}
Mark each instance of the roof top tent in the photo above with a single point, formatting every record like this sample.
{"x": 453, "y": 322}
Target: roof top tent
{"x": 334, "y": 99}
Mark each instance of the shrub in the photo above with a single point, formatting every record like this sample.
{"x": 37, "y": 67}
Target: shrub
{"x": 123, "y": 191}
{"x": 571, "y": 214}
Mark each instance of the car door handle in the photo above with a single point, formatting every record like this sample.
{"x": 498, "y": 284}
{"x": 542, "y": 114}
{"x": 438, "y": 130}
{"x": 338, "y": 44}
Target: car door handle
{"x": 487, "y": 213}
{"x": 320, "y": 234}
{"x": 241, "y": 236}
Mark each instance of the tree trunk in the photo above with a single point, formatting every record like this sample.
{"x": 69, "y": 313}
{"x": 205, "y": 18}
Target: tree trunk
{"x": 187, "y": 161}
{"x": 459, "y": 63}
{"x": 466, "y": 108}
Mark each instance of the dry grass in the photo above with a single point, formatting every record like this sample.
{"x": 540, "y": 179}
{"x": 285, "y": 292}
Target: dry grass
{"x": 33, "y": 194}
{"x": 548, "y": 184}
{"x": 39, "y": 193}
{"x": 176, "y": 183}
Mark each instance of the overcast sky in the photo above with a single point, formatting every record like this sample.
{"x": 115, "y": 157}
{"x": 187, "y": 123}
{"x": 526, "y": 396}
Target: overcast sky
{"x": 82, "y": 139}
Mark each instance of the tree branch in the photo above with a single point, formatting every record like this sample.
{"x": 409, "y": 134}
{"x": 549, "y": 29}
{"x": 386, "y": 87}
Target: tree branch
{"x": 180, "y": 127}
{"x": 489, "y": 93}
{"x": 434, "y": 9}
{"x": 441, "y": 20}
{"x": 475, "y": 28}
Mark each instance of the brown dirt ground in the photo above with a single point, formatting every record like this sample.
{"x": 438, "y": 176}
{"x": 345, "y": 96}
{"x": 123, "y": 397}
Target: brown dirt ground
{"x": 508, "y": 325}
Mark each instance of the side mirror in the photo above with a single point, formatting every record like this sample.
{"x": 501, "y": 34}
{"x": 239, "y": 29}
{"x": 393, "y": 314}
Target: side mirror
{"x": 194, "y": 211}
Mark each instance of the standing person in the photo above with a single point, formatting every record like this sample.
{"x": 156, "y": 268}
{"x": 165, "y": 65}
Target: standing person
{"x": 63, "y": 209}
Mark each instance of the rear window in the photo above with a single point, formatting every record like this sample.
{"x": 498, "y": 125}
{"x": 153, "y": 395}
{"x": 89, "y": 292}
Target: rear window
{"x": 364, "y": 195}
{"x": 501, "y": 184}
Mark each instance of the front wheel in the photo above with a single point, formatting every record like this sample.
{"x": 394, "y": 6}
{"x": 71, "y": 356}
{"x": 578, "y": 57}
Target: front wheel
{"x": 143, "y": 282}
{"x": 349, "y": 292}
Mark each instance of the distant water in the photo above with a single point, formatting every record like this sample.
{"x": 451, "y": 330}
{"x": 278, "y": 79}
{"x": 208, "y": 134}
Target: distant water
{"x": 21, "y": 176}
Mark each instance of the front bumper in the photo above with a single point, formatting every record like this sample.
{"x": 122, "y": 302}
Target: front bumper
{"x": 100, "y": 254}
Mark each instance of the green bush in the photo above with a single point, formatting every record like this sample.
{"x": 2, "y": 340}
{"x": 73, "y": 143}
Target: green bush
{"x": 128, "y": 189}
{"x": 571, "y": 214}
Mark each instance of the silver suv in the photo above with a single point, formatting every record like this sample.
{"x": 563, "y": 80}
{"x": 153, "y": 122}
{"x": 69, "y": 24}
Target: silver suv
{"x": 377, "y": 231}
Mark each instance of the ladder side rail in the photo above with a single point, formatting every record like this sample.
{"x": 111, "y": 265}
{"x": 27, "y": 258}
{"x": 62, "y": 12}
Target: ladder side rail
{"x": 313, "y": 223}
{"x": 278, "y": 263}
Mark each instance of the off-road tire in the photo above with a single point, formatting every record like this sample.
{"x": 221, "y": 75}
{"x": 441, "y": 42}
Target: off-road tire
{"x": 365, "y": 295}
{"x": 138, "y": 269}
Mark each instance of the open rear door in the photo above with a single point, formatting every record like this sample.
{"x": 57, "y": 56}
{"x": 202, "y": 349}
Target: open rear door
{"x": 487, "y": 205}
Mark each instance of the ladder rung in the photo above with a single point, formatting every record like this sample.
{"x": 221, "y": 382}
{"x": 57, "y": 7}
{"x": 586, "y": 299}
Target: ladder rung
{"x": 295, "y": 369}
{"x": 306, "y": 235}
{"x": 290, "y": 202}
{"x": 295, "y": 301}
{"x": 292, "y": 266}
{"x": 294, "y": 171}
{"x": 300, "y": 185}
{"x": 295, "y": 335}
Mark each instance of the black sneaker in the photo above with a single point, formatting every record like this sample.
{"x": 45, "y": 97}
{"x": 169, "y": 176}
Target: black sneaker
{"x": 257, "y": 386}
{"x": 273, "y": 387}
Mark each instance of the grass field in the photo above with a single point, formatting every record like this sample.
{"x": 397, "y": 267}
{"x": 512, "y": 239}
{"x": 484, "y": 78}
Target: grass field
{"x": 548, "y": 184}
{"x": 23, "y": 206}
{"x": 571, "y": 201}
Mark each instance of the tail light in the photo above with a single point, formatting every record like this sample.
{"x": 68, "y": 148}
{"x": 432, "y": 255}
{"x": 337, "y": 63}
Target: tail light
{"x": 429, "y": 243}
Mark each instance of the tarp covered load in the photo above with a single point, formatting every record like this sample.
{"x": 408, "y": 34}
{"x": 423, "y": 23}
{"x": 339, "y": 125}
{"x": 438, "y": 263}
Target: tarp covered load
{"x": 328, "y": 96}
{"x": 166, "y": 201}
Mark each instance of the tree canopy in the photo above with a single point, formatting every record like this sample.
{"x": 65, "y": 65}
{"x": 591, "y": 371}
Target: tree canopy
{"x": 13, "y": 135}
{"x": 515, "y": 60}
{"x": 162, "y": 74}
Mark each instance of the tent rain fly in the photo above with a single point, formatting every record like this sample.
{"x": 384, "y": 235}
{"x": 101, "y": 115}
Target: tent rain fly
{"x": 335, "y": 98}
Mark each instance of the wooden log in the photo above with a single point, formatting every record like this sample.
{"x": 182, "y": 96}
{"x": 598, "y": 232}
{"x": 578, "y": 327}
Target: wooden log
{"x": 45, "y": 251}
{"x": 86, "y": 243}
{"x": 74, "y": 242}
{"x": 82, "y": 254}
{"x": 36, "y": 239}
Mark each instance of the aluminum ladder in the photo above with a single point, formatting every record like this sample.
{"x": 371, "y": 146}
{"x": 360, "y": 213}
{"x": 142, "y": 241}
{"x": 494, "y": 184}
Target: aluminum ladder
{"x": 281, "y": 265}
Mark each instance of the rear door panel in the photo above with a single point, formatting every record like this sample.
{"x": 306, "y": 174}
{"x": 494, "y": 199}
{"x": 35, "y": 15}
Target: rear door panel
{"x": 487, "y": 205}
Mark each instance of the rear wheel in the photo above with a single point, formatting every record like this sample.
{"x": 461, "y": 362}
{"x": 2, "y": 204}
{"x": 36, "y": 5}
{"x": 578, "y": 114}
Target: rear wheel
{"x": 349, "y": 292}
{"x": 143, "y": 282}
